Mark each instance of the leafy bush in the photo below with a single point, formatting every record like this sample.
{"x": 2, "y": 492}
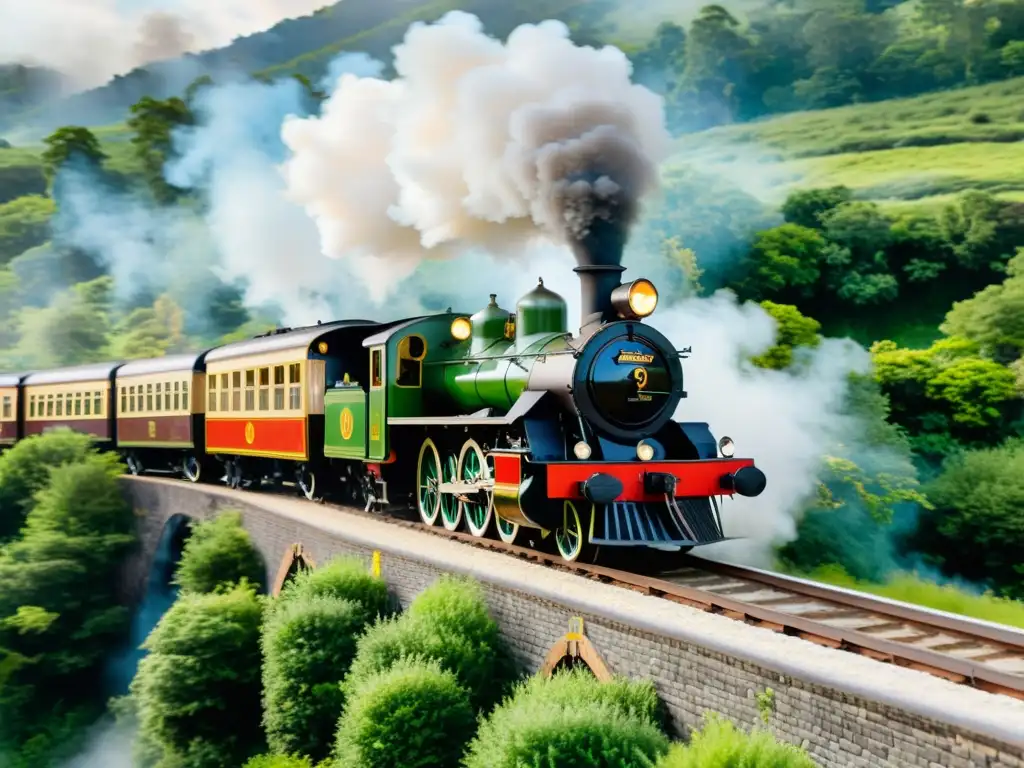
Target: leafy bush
{"x": 308, "y": 644}
{"x": 59, "y": 608}
{"x": 218, "y": 553}
{"x": 278, "y": 761}
{"x": 346, "y": 578}
{"x": 634, "y": 698}
{"x": 720, "y": 744}
{"x": 25, "y": 469}
{"x": 447, "y": 622}
{"x": 198, "y": 690}
{"x": 570, "y": 720}
{"x": 411, "y": 715}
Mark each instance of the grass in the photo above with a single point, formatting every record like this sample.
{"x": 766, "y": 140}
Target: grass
{"x": 911, "y": 588}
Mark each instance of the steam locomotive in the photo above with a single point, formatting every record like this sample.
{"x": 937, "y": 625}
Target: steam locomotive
{"x": 500, "y": 422}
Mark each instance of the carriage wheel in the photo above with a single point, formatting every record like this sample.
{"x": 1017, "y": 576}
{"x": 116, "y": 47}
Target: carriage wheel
{"x": 451, "y": 509}
{"x": 191, "y": 468}
{"x": 134, "y": 465}
{"x": 428, "y": 474}
{"x": 474, "y": 466}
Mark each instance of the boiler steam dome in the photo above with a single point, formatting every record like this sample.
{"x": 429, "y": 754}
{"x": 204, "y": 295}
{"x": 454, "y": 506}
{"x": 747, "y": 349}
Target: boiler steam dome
{"x": 488, "y": 326}
{"x": 541, "y": 311}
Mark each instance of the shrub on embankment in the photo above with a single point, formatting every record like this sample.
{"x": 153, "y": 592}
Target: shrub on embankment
{"x": 720, "y": 744}
{"x": 448, "y": 622}
{"x": 219, "y": 552}
{"x": 413, "y": 714}
{"x": 309, "y": 641}
{"x": 574, "y": 720}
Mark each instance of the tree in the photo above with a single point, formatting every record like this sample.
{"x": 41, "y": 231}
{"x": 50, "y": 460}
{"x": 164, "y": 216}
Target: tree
{"x": 858, "y": 271}
{"x": 71, "y": 143}
{"x": 784, "y": 262}
{"x": 805, "y": 207}
{"x": 198, "y": 689}
{"x": 153, "y": 121}
{"x": 24, "y": 224}
{"x": 74, "y": 329}
{"x": 794, "y": 331}
{"x": 219, "y": 553}
{"x": 977, "y": 524}
{"x": 59, "y": 609}
{"x": 720, "y": 742}
{"x": 716, "y": 52}
{"x": 993, "y": 317}
{"x": 151, "y": 331}
{"x": 25, "y": 470}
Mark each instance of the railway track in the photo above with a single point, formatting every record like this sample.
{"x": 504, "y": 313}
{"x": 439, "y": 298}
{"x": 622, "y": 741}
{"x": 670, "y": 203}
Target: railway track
{"x": 968, "y": 651}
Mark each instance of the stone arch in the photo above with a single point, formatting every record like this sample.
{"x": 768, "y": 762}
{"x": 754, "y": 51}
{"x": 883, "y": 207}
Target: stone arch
{"x": 574, "y": 650}
{"x": 295, "y": 559}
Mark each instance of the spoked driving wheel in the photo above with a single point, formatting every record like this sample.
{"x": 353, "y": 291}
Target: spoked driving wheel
{"x": 451, "y": 509}
{"x": 428, "y": 475}
{"x": 571, "y": 537}
{"x": 474, "y": 468}
{"x": 507, "y": 532}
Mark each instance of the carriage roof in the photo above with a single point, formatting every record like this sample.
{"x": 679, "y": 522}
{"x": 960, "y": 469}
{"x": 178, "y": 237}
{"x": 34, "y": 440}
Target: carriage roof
{"x": 90, "y": 372}
{"x": 191, "y": 361}
{"x": 282, "y": 339}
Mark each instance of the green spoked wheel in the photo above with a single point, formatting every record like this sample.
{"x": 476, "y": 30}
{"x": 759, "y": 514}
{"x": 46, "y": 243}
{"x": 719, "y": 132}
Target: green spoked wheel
{"x": 570, "y": 538}
{"x": 451, "y": 509}
{"x": 507, "y": 532}
{"x": 474, "y": 467}
{"x": 428, "y": 474}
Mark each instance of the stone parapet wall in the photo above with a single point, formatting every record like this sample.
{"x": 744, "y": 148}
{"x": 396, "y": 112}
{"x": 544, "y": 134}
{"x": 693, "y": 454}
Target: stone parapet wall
{"x": 847, "y": 710}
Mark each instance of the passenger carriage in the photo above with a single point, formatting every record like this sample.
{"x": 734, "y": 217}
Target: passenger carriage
{"x": 160, "y": 414}
{"x": 10, "y": 409}
{"x": 79, "y": 398}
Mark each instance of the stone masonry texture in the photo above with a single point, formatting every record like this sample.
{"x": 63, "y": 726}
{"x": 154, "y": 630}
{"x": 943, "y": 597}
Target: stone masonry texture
{"x": 960, "y": 727}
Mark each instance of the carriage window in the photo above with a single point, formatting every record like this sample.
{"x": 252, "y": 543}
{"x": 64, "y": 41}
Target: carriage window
{"x": 97, "y": 403}
{"x": 78, "y": 403}
{"x": 375, "y": 378}
{"x": 250, "y": 389}
{"x": 184, "y": 396}
{"x": 411, "y": 351}
{"x": 131, "y": 399}
{"x": 32, "y": 406}
{"x": 85, "y": 406}
{"x": 167, "y": 395}
{"x": 213, "y": 393}
{"x": 224, "y": 391}
{"x": 278, "y": 387}
{"x": 149, "y": 397}
{"x": 177, "y": 396}
{"x": 67, "y": 403}
{"x": 124, "y": 400}
{"x": 49, "y": 405}
{"x": 159, "y": 397}
{"x": 60, "y": 406}
{"x": 236, "y": 391}
{"x": 7, "y": 406}
{"x": 264, "y": 389}
{"x": 295, "y": 386}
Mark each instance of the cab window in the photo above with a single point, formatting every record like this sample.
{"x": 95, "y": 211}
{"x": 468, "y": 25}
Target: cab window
{"x": 375, "y": 369}
{"x": 411, "y": 351}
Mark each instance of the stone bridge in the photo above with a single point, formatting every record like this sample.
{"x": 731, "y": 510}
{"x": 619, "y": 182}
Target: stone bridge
{"x": 847, "y": 710}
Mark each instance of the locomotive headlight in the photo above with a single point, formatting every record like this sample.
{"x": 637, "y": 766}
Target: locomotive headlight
{"x": 645, "y": 451}
{"x": 726, "y": 447}
{"x": 636, "y": 299}
{"x": 461, "y": 328}
{"x": 582, "y": 451}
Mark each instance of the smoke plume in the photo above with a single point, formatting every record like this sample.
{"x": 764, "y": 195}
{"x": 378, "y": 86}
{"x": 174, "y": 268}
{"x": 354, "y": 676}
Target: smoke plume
{"x": 92, "y": 40}
{"x": 477, "y": 144}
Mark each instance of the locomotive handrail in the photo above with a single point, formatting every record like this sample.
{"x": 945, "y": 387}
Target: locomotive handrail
{"x": 475, "y": 358}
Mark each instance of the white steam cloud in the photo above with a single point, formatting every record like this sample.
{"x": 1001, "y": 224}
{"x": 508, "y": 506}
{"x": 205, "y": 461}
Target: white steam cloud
{"x": 92, "y": 40}
{"x": 785, "y": 420}
{"x": 477, "y": 144}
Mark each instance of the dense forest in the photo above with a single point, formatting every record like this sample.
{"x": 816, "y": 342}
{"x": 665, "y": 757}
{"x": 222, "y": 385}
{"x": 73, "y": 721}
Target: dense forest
{"x": 930, "y": 282}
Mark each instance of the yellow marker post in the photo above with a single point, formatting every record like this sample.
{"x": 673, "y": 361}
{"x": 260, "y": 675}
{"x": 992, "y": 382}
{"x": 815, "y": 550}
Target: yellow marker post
{"x": 375, "y": 564}
{"x": 575, "y": 628}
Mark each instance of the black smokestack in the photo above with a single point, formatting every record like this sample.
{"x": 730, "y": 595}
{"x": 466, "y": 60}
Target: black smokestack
{"x": 598, "y": 212}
